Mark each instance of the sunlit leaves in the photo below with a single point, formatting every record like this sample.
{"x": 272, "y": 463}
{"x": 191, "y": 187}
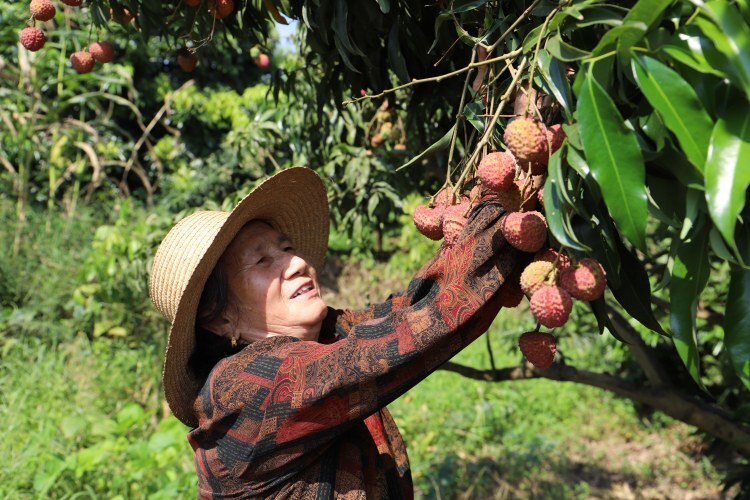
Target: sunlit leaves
{"x": 615, "y": 160}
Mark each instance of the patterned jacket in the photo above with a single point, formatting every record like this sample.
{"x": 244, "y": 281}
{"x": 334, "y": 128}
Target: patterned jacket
{"x": 288, "y": 418}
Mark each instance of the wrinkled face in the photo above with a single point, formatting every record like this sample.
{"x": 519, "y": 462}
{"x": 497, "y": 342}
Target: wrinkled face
{"x": 273, "y": 290}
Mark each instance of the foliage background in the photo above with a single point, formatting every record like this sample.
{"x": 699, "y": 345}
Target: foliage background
{"x": 97, "y": 167}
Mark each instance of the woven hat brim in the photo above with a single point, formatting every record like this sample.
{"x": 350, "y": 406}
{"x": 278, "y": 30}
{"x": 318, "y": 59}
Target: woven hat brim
{"x": 294, "y": 202}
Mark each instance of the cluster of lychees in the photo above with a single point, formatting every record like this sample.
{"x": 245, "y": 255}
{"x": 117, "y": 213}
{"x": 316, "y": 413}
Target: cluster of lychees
{"x": 33, "y": 38}
{"x": 551, "y": 281}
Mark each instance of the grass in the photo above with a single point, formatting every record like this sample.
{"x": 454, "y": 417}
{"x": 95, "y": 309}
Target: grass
{"x": 85, "y": 418}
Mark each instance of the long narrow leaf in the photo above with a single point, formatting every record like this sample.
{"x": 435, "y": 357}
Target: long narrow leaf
{"x": 615, "y": 160}
{"x": 678, "y": 105}
{"x": 737, "y": 324}
{"x": 689, "y": 276}
{"x": 727, "y": 172}
{"x": 439, "y": 145}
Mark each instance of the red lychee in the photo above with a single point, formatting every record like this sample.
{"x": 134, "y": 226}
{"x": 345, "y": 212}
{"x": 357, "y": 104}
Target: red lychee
{"x": 555, "y": 137}
{"x": 72, "y": 3}
{"x": 445, "y": 197}
{"x": 103, "y": 52}
{"x": 192, "y": 3}
{"x": 262, "y": 61}
{"x": 527, "y": 140}
{"x": 42, "y": 10}
{"x": 560, "y": 260}
{"x": 187, "y": 60}
{"x": 551, "y": 305}
{"x": 221, "y": 8}
{"x": 537, "y": 274}
{"x": 539, "y": 348}
{"x": 454, "y": 222}
{"x": 32, "y": 38}
{"x": 586, "y": 281}
{"x": 526, "y": 231}
{"x": 429, "y": 221}
{"x": 510, "y": 294}
{"x": 520, "y": 197}
{"x": 497, "y": 171}
{"x": 82, "y": 62}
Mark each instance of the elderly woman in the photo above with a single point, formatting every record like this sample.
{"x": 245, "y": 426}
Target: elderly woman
{"x": 285, "y": 396}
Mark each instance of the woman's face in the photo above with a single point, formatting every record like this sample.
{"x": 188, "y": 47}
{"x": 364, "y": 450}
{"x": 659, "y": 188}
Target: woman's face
{"x": 273, "y": 290}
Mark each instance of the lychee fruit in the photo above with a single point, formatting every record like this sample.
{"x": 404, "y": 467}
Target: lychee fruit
{"x": 429, "y": 221}
{"x": 82, "y": 62}
{"x": 445, "y": 197}
{"x": 497, "y": 171}
{"x": 551, "y": 305}
{"x": 72, "y": 3}
{"x": 520, "y": 197}
{"x": 585, "y": 281}
{"x": 187, "y": 60}
{"x": 454, "y": 222}
{"x": 526, "y": 231}
{"x": 42, "y": 10}
{"x": 192, "y": 3}
{"x": 555, "y": 137}
{"x": 103, "y": 52}
{"x": 32, "y": 38}
{"x": 527, "y": 140}
{"x": 221, "y": 8}
{"x": 560, "y": 260}
{"x": 262, "y": 61}
{"x": 537, "y": 274}
{"x": 510, "y": 294}
{"x": 539, "y": 348}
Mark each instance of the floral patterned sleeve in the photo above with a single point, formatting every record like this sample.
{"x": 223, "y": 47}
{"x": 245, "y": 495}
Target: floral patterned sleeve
{"x": 286, "y": 394}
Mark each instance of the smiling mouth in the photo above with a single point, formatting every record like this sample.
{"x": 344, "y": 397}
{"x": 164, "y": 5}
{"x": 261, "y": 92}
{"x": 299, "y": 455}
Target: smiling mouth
{"x": 303, "y": 290}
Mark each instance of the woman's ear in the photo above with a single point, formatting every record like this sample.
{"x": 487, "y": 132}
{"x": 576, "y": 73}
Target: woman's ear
{"x": 223, "y": 325}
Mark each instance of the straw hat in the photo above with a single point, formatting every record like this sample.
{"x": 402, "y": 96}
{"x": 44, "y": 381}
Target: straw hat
{"x": 293, "y": 201}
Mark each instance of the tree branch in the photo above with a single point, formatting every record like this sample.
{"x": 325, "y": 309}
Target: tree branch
{"x": 683, "y": 407}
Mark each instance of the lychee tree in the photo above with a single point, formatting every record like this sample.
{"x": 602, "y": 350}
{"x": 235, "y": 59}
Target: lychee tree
{"x": 651, "y": 179}
{"x": 627, "y": 125}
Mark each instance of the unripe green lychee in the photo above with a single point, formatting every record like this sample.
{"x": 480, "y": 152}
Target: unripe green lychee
{"x": 526, "y": 231}
{"x": 585, "y": 281}
{"x": 429, "y": 221}
{"x": 497, "y": 171}
{"x": 32, "y": 38}
{"x": 527, "y": 140}
{"x": 537, "y": 274}
{"x": 551, "y": 306}
{"x": 539, "y": 348}
{"x": 42, "y": 10}
{"x": 454, "y": 222}
{"x": 82, "y": 62}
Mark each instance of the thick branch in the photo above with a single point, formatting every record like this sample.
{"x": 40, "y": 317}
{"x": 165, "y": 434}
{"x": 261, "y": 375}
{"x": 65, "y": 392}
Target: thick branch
{"x": 685, "y": 408}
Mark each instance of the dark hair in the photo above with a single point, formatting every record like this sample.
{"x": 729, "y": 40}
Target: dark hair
{"x": 209, "y": 347}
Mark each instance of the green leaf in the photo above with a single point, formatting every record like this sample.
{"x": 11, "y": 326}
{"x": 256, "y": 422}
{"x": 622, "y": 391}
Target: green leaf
{"x": 727, "y": 172}
{"x": 556, "y": 208}
{"x": 556, "y": 79}
{"x": 438, "y": 146}
{"x": 737, "y": 324}
{"x": 615, "y": 160}
{"x": 690, "y": 273}
{"x": 731, "y": 36}
{"x": 564, "y": 51}
{"x": 678, "y": 105}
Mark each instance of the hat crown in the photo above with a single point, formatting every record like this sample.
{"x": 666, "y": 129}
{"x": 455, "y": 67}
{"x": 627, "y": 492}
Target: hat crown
{"x": 178, "y": 257}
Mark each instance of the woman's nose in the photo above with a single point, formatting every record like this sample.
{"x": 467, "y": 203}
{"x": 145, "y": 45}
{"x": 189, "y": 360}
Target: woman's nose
{"x": 295, "y": 266}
